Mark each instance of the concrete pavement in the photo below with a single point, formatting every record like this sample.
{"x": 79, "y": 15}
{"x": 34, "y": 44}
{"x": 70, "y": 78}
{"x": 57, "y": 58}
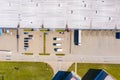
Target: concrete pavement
{"x": 66, "y": 58}
{"x": 97, "y": 47}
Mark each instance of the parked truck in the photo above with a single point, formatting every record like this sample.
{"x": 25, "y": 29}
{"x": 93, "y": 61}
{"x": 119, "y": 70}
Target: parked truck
{"x": 57, "y": 44}
{"x": 58, "y": 49}
{"x": 77, "y": 37}
{"x": 57, "y": 38}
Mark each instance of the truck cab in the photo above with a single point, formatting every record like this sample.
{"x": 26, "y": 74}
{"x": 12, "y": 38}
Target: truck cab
{"x": 57, "y": 44}
{"x": 57, "y": 38}
{"x": 58, "y": 49}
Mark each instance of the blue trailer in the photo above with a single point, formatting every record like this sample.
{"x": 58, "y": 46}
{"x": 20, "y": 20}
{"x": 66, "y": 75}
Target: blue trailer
{"x": 77, "y": 37}
{"x": 117, "y": 35}
{"x": 1, "y": 32}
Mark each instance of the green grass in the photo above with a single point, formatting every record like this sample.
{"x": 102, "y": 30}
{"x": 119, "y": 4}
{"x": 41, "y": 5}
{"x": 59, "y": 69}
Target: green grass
{"x": 60, "y": 30}
{"x": 28, "y": 53}
{"x": 60, "y": 54}
{"x": 47, "y": 54}
{"x": 44, "y": 47}
{"x": 44, "y": 30}
{"x": 1, "y": 77}
{"x": 28, "y": 29}
{"x": 112, "y": 69}
{"x": 26, "y": 71}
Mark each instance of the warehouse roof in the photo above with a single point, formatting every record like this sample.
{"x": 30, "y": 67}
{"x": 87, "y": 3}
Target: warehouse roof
{"x": 82, "y": 14}
{"x": 97, "y": 74}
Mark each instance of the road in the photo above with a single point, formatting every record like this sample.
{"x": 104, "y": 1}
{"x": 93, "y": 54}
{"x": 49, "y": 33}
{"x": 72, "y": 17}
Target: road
{"x": 60, "y": 62}
{"x": 66, "y": 58}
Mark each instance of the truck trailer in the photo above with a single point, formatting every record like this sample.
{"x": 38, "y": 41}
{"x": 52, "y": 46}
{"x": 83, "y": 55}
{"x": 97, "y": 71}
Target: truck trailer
{"x": 77, "y": 37}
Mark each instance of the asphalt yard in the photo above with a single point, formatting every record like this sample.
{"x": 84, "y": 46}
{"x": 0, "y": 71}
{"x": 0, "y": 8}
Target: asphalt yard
{"x": 97, "y": 43}
{"x": 31, "y": 42}
{"x": 8, "y": 41}
{"x": 94, "y": 42}
{"x": 63, "y": 43}
{"x": 35, "y": 44}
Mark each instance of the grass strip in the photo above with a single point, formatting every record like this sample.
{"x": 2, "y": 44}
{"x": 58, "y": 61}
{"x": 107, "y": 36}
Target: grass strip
{"x": 44, "y": 30}
{"x": 28, "y": 53}
{"x": 47, "y": 54}
{"x": 60, "y": 30}
{"x": 26, "y": 71}
{"x": 60, "y": 54}
{"x": 44, "y": 46}
{"x": 28, "y": 29}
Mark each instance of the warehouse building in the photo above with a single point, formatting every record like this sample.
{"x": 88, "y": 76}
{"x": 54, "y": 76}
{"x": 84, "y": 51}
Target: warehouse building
{"x": 97, "y": 74}
{"x": 81, "y": 14}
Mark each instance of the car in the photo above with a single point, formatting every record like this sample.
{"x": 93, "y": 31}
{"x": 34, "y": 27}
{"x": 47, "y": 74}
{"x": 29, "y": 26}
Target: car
{"x": 25, "y": 40}
{"x": 58, "y": 49}
{"x": 17, "y": 36}
{"x": 25, "y": 48}
{"x": 30, "y": 36}
{"x": 57, "y": 44}
{"x": 57, "y": 38}
{"x": 26, "y": 44}
{"x": 25, "y": 32}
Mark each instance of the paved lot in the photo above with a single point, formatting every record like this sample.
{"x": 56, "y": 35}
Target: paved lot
{"x": 8, "y": 41}
{"x": 65, "y": 42}
{"x": 94, "y": 43}
{"x": 35, "y": 45}
{"x": 97, "y": 47}
{"x": 97, "y": 43}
